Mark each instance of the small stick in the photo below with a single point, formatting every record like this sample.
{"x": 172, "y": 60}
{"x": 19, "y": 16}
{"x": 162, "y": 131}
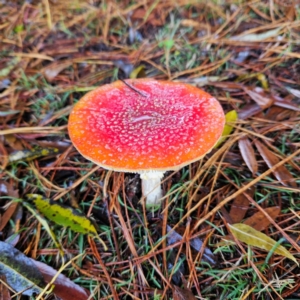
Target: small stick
{"x": 133, "y": 88}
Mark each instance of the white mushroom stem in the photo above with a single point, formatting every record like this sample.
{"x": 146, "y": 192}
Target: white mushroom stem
{"x": 151, "y": 187}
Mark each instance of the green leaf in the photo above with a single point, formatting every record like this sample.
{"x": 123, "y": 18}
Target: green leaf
{"x": 230, "y": 117}
{"x": 20, "y": 272}
{"x": 252, "y": 237}
{"x": 138, "y": 72}
{"x": 63, "y": 215}
{"x": 46, "y": 226}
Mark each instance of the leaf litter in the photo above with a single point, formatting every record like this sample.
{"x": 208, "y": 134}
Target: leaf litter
{"x": 245, "y": 54}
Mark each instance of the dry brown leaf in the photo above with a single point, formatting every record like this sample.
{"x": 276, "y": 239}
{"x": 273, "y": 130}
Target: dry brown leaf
{"x": 13, "y": 142}
{"x": 63, "y": 286}
{"x": 281, "y": 173}
{"x": 183, "y": 294}
{"x": 53, "y": 69}
{"x": 8, "y": 214}
{"x": 248, "y": 154}
{"x": 195, "y": 243}
{"x": 260, "y": 97}
{"x": 286, "y": 104}
{"x": 155, "y": 18}
{"x": 291, "y": 12}
{"x": 259, "y": 221}
{"x": 8, "y": 190}
{"x": 277, "y": 113}
{"x": 249, "y": 111}
{"x": 240, "y": 207}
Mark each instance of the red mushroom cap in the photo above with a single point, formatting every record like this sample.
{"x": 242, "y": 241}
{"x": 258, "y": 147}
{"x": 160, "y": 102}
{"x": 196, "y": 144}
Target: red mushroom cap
{"x": 155, "y": 125}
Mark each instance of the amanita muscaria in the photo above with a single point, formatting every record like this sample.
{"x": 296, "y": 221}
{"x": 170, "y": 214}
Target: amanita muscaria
{"x": 146, "y": 126}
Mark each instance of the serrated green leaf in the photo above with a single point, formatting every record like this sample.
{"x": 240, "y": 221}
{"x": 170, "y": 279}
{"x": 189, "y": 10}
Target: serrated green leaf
{"x": 21, "y": 273}
{"x": 63, "y": 215}
{"x": 230, "y": 117}
{"x": 252, "y": 237}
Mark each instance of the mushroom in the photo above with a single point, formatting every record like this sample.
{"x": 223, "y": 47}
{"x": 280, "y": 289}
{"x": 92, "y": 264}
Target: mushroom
{"x": 146, "y": 126}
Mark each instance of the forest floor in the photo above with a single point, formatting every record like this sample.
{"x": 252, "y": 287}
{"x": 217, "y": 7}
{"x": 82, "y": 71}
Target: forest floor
{"x": 244, "y": 53}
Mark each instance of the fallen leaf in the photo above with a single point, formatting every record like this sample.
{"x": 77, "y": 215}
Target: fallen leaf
{"x": 239, "y": 207}
{"x": 252, "y": 237}
{"x": 138, "y": 72}
{"x": 10, "y": 209}
{"x": 277, "y": 113}
{"x": 260, "y": 97}
{"x": 259, "y": 221}
{"x": 8, "y": 190}
{"x": 196, "y": 243}
{"x": 263, "y": 80}
{"x": 249, "y": 110}
{"x": 14, "y": 142}
{"x": 248, "y": 154}
{"x": 20, "y": 272}
{"x": 29, "y": 155}
{"x": 230, "y": 117}
{"x": 183, "y": 294}
{"x": 64, "y": 288}
{"x": 53, "y": 69}
{"x": 155, "y": 16}
{"x": 63, "y": 215}
{"x": 281, "y": 173}
{"x": 45, "y": 225}
{"x": 286, "y": 104}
